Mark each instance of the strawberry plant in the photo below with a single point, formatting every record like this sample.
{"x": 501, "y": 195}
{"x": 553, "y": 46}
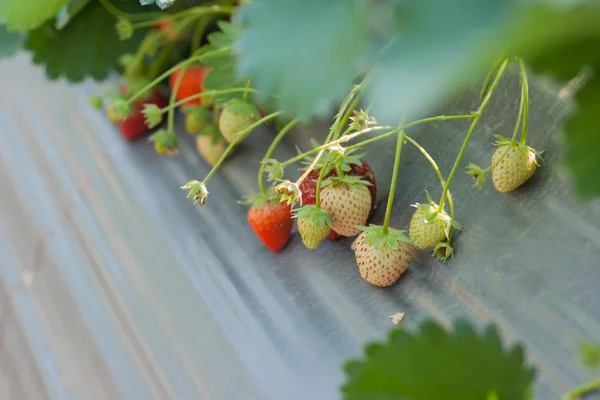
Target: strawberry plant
{"x": 384, "y": 66}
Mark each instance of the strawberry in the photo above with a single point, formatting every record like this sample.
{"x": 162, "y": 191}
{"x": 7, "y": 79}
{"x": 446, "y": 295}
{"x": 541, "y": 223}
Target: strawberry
{"x": 191, "y": 84}
{"x": 314, "y": 223}
{"x": 512, "y": 163}
{"x": 134, "y": 127}
{"x": 196, "y": 119}
{"x": 271, "y": 221}
{"x": 210, "y": 144}
{"x": 348, "y": 201}
{"x": 352, "y": 165}
{"x": 235, "y": 117}
{"x": 429, "y": 225}
{"x": 382, "y": 257}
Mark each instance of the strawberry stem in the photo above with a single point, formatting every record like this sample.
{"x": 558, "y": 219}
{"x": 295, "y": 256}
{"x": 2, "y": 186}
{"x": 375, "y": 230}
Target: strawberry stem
{"x": 270, "y": 150}
{"x": 238, "y": 138}
{"x": 388, "y": 210}
{"x": 437, "y": 170}
{"x": 319, "y": 183}
{"x": 207, "y": 93}
{"x": 190, "y": 12}
{"x": 520, "y": 115}
{"x": 431, "y": 119}
{"x": 525, "y": 91}
{"x": 582, "y": 390}
{"x": 116, "y": 12}
{"x": 171, "y": 112}
{"x": 476, "y": 118}
{"x": 175, "y": 68}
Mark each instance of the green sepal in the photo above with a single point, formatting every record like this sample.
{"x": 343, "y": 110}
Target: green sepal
{"x": 378, "y": 238}
{"x": 243, "y": 108}
{"x": 316, "y": 215}
{"x": 152, "y": 115}
{"x": 121, "y": 108}
{"x": 274, "y": 169}
{"x": 477, "y": 173}
{"x": 197, "y": 191}
{"x": 443, "y": 251}
{"x": 213, "y": 132}
{"x": 350, "y": 180}
{"x": 260, "y": 198}
{"x": 289, "y": 192}
{"x": 165, "y": 142}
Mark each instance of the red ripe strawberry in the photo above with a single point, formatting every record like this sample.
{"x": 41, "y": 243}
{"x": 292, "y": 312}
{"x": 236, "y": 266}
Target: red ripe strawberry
{"x": 134, "y": 126}
{"x": 348, "y": 201}
{"x": 513, "y": 164}
{"x": 191, "y": 84}
{"x": 382, "y": 257}
{"x": 355, "y": 167}
{"x": 271, "y": 221}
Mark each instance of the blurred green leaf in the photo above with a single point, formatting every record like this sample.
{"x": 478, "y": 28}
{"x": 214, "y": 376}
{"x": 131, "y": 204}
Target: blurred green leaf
{"x": 306, "y": 52}
{"x": 582, "y": 137}
{"x": 590, "y": 353}
{"x": 434, "y": 364}
{"x": 24, "y": 15}
{"x": 9, "y": 42}
{"x": 86, "y": 47}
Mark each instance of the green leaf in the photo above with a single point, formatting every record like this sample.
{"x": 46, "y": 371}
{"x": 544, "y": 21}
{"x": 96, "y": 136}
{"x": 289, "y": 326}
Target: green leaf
{"x": 442, "y": 46}
{"x": 86, "y": 47}
{"x": 589, "y": 352}
{"x": 434, "y": 364}
{"x": 9, "y": 42}
{"x": 582, "y": 137}
{"x": 23, "y": 16}
{"x": 306, "y": 52}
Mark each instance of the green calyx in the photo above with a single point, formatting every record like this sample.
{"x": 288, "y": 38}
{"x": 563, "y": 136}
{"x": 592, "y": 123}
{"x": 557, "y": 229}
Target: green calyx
{"x": 502, "y": 141}
{"x": 378, "y": 238}
{"x": 213, "y": 132}
{"x": 477, "y": 173}
{"x": 261, "y": 198}
{"x": 443, "y": 251}
{"x": 196, "y": 119}
{"x": 165, "y": 142}
{"x": 315, "y": 215}
{"x": 152, "y": 115}
{"x": 242, "y": 108}
{"x": 274, "y": 169}
{"x": 337, "y": 158}
{"x": 289, "y": 192}
{"x": 435, "y": 213}
{"x": 349, "y": 180}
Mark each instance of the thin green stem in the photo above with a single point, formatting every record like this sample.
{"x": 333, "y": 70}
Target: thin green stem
{"x": 197, "y": 35}
{"x": 175, "y": 68}
{"x": 519, "y": 116}
{"x": 206, "y": 93}
{"x": 270, "y": 150}
{"x": 438, "y": 172}
{"x": 238, "y": 138}
{"x": 347, "y": 115}
{"x": 490, "y": 76}
{"x": 525, "y": 88}
{"x": 116, "y": 12}
{"x": 191, "y": 12}
{"x": 320, "y": 184}
{"x": 421, "y": 121}
{"x": 476, "y": 118}
{"x": 327, "y": 145}
{"x": 593, "y": 385}
{"x": 171, "y": 112}
{"x": 388, "y": 209}
{"x": 247, "y": 87}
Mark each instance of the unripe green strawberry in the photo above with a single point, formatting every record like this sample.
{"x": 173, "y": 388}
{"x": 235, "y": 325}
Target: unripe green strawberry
{"x": 382, "y": 257}
{"x": 236, "y": 117}
{"x": 314, "y": 223}
{"x": 196, "y": 119}
{"x": 210, "y": 149}
{"x": 348, "y": 201}
{"x": 513, "y": 164}
{"x": 424, "y": 234}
